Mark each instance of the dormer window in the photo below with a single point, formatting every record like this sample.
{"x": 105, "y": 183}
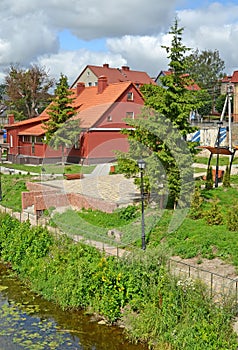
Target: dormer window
{"x": 109, "y": 118}
{"x": 130, "y": 115}
{"x": 130, "y": 96}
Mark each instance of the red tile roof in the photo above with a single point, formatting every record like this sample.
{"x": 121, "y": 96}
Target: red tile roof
{"x": 192, "y": 87}
{"x": 116, "y": 75}
{"x": 234, "y": 78}
{"x": 89, "y": 104}
{"x": 36, "y": 130}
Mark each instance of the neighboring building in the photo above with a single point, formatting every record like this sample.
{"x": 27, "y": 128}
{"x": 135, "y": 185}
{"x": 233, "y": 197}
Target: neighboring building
{"x": 164, "y": 73}
{"x": 90, "y": 75}
{"x": 101, "y": 111}
{"x": 225, "y": 82}
{"x": 234, "y": 82}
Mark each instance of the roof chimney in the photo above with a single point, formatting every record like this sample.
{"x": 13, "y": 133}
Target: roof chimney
{"x": 125, "y": 68}
{"x": 11, "y": 119}
{"x": 105, "y": 65}
{"x": 79, "y": 88}
{"x": 102, "y": 83}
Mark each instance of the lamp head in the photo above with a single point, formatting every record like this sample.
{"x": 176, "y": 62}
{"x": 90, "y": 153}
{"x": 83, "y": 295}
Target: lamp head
{"x": 141, "y": 164}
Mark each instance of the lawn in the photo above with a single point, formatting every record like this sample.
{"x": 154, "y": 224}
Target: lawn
{"x": 193, "y": 238}
{"x": 12, "y": 187}
{"x": 51, "y": 168}
{"x": 223, "y": 160}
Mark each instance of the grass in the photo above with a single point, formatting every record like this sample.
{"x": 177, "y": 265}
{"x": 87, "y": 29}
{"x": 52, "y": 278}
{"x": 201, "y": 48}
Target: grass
{"x": 223, "y": 160}
{"x": 94, "y": 225}
{"x": 12, "y": 187}
{"x": 193, "y": 238}
{"x": 51, "y": 168}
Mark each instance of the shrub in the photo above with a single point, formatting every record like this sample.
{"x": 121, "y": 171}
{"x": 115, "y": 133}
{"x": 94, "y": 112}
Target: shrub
{"x": 209, "y": 179}
{"x": 232, "y": 218}
{"x": 196, "y": 211}
{"x": 214, "y": 215}
{"x": 226, "y": 178}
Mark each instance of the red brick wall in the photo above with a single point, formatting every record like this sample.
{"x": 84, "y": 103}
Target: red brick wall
{"x": 43, "y": 198}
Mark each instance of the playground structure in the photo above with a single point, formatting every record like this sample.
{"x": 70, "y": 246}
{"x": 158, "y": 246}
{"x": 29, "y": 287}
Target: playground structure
{"x": 217, "y": 149}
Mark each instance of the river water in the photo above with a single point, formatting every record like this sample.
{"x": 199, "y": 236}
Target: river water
{"x": 29, "y": 322}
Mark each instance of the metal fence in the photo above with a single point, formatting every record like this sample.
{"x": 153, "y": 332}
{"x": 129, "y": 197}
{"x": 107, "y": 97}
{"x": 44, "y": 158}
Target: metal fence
{"x": 220, "y": 286}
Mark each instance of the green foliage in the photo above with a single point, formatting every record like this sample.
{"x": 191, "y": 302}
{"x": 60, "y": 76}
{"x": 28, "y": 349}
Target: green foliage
{"x": 196, "y": 210}
{"x": 128, "y": 213}
{"x": 226, "y": 178}
{"x": 209, "y": 179}
{"x": 156, "y": 134}
{"x": 154, "y": 306}
{"x": 118, "y": 218}
{"x": 21, "y": 244}
{"x": 27, "y": 90}
{"x": 206, "y": 68}
{"x": 60, "y": 110}
{"x": 214, "y": 215}
{"x": 12, "y": 187}
{"x": 232, "y": 218}
{"x": 220, "y": 102}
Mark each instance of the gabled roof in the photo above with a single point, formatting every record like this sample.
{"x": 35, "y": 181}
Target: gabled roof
{"x": 234, "y": 78}
{"x": 192, "y": 87}
{"x": 36, "y": 130}
{"x": 226, "y": 79}
{"x": 116, "y": 75}
{"x": 89, "y": 104}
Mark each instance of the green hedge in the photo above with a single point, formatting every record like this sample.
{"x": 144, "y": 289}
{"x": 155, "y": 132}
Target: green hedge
{"x": 155, "y": 307}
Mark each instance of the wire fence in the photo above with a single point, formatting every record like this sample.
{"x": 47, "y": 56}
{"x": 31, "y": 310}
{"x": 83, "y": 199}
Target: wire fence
{"x": 219, "y": 286}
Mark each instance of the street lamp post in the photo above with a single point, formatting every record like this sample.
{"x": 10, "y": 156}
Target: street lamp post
{"x": 218, "y": 145}
{"x": 141, "y": 165}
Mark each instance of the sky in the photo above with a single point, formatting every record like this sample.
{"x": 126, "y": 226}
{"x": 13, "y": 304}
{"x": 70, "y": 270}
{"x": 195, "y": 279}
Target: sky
{"x": 64, "y": 36}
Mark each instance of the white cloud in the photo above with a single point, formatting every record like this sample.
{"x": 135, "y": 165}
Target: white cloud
{"x": 135, "y": 31}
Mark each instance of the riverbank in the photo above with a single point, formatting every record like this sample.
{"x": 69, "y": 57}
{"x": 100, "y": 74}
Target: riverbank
{"x": 156, "y": 307}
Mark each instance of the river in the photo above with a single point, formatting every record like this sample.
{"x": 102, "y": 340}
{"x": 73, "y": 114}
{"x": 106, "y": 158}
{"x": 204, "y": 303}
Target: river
{"x": 29, "y": 322}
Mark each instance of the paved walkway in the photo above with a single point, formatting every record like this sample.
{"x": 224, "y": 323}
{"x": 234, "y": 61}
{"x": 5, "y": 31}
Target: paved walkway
{"x": 111, "y": 188}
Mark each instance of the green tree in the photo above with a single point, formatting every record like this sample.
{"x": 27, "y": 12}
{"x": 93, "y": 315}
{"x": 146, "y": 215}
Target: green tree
{"x": 209, "y": 179}
{"x": 61, "y": 130}
{"x": 207, "y": 69}
{"x": 206, "y": 105}
{"x": 169, "y": 107}
{"x": 226, "y": 178}
{"x": 27, "y": 90}
{"x": 220, "y": 102}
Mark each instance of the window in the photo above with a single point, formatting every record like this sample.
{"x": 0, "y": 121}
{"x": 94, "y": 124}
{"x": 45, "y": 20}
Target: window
{"x": 130, "y": 115}
{"x": 38, "y": 139}
{"x": 11, "y": 141}
{"x": 26, "y": 138}
{"x": 90, "y": 83}
{"x": 130, "y": 96}
{"x": 109, "y": 118}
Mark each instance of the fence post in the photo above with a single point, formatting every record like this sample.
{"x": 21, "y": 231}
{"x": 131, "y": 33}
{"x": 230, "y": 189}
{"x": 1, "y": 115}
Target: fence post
{"x": 211, "y": 284}
{"x": 236, "y": 292}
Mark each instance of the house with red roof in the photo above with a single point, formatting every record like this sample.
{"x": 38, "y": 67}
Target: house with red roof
{"x": 101, "y": 111}
{"x": 91, "y": 73}
{"x": 163, "y": 73}
{"x": 234, "y": 82}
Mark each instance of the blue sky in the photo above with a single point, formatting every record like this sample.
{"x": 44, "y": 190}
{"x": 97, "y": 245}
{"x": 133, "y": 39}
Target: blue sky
{"x": 66, "y": 35}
